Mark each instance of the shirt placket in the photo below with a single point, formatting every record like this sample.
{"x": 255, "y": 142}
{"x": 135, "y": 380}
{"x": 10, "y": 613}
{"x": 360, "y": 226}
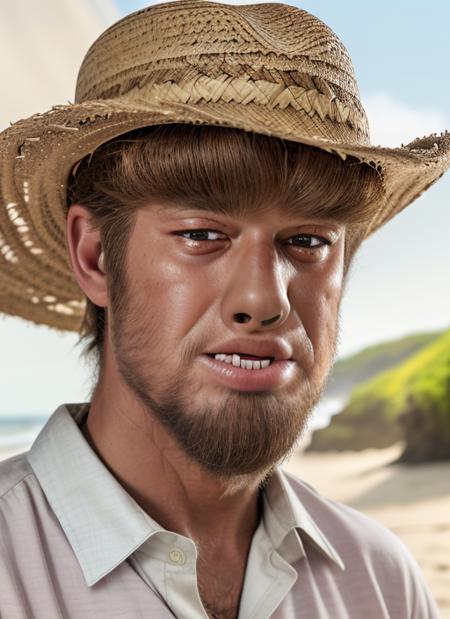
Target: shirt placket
{"x": 174, "y": 575}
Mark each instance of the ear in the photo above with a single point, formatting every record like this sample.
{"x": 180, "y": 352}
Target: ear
{"x": 84, "y": 247}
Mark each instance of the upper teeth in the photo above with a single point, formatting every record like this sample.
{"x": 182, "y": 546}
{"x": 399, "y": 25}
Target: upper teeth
{"x": 247, "y": 364}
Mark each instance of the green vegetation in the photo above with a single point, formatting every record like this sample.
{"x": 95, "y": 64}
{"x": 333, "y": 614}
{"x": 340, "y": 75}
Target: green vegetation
{"x": 362, "y": 366}
{"x": 410, "y": 401}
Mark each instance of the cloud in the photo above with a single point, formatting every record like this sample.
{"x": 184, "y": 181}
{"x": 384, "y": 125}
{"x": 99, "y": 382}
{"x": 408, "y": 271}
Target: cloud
{"x": 393, "y": 122}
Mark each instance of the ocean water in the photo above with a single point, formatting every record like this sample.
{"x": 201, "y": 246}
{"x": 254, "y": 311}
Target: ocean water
{"x": 325, "y": 410}
{"x": 19, "y": 431}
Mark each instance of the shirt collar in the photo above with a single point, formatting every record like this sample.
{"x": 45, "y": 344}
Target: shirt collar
{"x": 105, "y": 525}
{"x": 284, "y": 513}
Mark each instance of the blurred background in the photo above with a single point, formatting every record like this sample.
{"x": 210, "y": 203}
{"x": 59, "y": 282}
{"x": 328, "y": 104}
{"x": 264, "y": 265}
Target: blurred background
{"x": 380, "y": 438}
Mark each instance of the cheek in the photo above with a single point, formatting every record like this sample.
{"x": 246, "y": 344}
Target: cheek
{"x": 325, "y": 333}
{"x": 317, "y": 301}
{"x": 317, "y": 306}
{"x": 179, "y": 294}
{"x": 329, "y": 282}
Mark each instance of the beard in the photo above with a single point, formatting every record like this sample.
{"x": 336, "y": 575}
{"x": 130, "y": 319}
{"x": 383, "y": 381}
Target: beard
{"x": 237, "y": 437}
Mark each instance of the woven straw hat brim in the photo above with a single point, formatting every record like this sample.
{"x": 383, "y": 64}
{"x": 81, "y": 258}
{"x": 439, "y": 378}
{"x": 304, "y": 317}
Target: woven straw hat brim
{"x": 38, "y": 153}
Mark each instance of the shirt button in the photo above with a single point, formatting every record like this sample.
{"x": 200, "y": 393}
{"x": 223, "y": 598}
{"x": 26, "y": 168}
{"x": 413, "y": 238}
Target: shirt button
{"x": 177, "y": 556}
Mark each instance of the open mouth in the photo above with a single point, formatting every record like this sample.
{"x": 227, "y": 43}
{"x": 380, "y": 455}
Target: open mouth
{"x": 241, "y": 355}
{"x": 243, "y": 360}
{"x": 246, "y": 372}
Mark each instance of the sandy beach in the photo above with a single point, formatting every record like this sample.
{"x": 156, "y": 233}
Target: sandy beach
{"x": 414, "y": 502}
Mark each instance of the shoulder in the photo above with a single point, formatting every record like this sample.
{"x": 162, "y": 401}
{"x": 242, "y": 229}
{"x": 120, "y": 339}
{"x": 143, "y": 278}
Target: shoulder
{"x": 368, "y": 548}
{"x": 13, "y": 471}
{"x": 17, "y": 506}
{"x": 349, "y": 530}
{"x": 23, "y": 535}
{"x": 19, "y": 495}
{"x": 340, "y": 522}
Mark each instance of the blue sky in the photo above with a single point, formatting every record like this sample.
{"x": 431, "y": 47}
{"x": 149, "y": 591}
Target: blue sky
{"x": 399, "y": 283}
{"x": 380, "y": 37}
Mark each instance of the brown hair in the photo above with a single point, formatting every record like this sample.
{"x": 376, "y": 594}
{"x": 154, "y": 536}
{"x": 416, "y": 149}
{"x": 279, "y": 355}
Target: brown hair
{"x": 223, "y": 169}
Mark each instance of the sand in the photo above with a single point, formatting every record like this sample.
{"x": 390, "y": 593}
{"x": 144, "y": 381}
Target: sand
{"x": 412, "y": 501}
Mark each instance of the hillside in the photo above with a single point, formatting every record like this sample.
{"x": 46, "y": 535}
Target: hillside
{"x": 410, "y": 401}
{"x": 355, "y": 369}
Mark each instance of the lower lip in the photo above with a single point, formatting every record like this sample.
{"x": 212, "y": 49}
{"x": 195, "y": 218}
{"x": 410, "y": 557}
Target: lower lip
{"x": 276, "y": 375}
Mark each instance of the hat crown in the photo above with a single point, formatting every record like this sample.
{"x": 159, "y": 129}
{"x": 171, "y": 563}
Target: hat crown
{"x": 227, "y": 49}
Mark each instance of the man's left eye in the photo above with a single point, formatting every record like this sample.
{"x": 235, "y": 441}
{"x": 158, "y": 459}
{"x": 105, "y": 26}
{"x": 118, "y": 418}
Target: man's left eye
{"x": 309, "y": 238}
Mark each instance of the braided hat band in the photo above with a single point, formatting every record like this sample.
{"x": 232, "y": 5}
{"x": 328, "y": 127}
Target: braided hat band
{"x": 268, "y": 68}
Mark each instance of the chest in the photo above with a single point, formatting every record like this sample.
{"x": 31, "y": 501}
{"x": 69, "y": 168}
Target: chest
{"x": 220, "y": 590}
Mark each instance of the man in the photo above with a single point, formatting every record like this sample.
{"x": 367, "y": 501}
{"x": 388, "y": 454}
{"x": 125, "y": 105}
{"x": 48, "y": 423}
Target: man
{"x": 194, "y": 215}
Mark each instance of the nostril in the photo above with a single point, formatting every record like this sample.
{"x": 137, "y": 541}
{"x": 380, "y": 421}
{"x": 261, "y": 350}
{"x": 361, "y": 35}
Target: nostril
{"x": 242, "y": 317}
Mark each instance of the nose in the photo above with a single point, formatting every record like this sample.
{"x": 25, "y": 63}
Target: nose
{"x": 256, "y": 291}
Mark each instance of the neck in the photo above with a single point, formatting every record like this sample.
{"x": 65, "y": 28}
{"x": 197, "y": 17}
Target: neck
{"x": 172, "y": 490}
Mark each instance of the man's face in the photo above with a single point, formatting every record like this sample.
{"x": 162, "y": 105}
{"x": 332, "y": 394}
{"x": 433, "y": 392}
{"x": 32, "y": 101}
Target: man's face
{"x": 198, "y": 280}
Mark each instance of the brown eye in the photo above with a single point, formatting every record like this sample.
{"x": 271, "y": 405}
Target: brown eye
{"x": 201, "y": 235}
{"x": 303, "y": 241}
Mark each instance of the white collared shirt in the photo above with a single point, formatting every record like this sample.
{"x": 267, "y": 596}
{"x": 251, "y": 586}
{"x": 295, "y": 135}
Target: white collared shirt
{"x": 74, "y": 544}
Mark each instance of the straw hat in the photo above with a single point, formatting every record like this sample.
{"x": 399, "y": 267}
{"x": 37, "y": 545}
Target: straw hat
{"x": 270, "y": 68}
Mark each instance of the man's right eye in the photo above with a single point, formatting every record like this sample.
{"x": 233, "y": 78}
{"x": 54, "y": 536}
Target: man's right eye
{"x": 201, "y": 235}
